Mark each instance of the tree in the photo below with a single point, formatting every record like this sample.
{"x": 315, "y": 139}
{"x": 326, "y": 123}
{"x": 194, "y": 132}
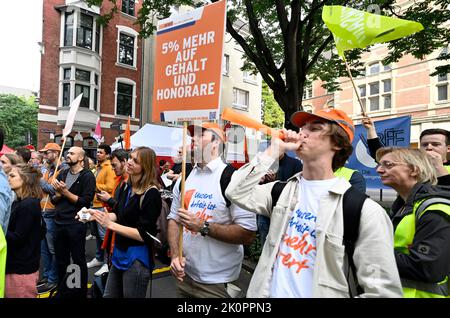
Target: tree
{"x": 18, "y": 117}
{"x": 273, "y": 114}
{"x": 289, "y": 45}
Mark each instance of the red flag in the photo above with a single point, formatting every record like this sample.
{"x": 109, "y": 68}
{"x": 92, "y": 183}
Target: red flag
{"x": 127, "y": 136}
{"x": 98, "y": 132}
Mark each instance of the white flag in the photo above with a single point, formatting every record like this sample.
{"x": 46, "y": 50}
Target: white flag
{"x": 71, "y": 116}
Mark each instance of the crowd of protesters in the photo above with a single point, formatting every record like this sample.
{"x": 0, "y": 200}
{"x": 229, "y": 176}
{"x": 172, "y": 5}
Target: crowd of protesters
{"x": 321, "y": 235}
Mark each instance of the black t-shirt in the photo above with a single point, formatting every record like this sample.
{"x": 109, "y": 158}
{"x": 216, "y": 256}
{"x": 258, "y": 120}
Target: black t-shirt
{"x": 24, "y": 237}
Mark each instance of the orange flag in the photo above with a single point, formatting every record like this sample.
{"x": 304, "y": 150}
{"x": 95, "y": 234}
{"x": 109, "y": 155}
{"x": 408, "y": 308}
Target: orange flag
{"x": 127, "y": 136}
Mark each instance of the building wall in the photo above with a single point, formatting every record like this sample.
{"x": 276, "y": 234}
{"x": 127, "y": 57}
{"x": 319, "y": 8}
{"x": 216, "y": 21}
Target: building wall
{"x": 235, "y": 79}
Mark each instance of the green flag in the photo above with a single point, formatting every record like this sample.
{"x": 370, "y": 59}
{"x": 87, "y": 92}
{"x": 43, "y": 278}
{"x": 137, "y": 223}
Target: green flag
{"x": 2, "y": 263}
{"x": 357, "y": 29}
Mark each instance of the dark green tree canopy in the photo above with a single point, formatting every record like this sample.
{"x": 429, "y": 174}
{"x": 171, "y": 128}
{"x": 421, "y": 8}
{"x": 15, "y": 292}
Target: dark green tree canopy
{"x": 18, "y": 117}
{"x": 289, "y": 45}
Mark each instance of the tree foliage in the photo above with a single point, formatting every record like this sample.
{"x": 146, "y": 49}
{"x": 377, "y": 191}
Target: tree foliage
{"x": 18, "y": 116}
{"x": 273, "y": 114}
{"x": 289, "y": 45}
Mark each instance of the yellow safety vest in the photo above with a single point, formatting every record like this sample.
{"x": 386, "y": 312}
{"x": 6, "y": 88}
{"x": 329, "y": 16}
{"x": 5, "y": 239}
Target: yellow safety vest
{"x": 345, "y": 173}
{"x": 2, "y": 263}
{"x": 447, "y": 168}
{"x": 404, "y": 236}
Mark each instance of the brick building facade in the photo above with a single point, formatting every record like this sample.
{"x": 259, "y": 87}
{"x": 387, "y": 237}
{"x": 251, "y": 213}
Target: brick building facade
{"x": 403, "y": 88}
{"x": 102, "y": 62}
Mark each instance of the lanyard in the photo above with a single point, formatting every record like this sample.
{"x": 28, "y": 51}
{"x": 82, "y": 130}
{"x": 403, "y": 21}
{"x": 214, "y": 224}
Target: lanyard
{"x": 128, "y": 195}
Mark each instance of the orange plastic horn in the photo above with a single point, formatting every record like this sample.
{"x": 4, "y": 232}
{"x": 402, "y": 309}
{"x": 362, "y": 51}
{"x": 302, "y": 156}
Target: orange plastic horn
{"x": 241, "y": 119}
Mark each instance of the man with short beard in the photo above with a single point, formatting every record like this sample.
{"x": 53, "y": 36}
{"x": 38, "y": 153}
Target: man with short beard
{"x": 75, "y": 189}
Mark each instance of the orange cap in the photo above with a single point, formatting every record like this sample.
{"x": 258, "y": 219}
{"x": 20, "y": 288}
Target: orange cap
{"x": 334, "y": 115}
{"x": 208, "y": 126}
{"x": 51, "y": 146}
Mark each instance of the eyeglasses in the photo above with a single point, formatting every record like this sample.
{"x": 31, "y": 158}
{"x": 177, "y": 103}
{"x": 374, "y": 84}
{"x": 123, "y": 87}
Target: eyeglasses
{"x": 388, "y": 165}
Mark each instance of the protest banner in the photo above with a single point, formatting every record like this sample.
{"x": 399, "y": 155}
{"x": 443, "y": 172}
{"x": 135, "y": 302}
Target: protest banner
{"x": 394, "y": 132}
{"x": 188, "y": 67}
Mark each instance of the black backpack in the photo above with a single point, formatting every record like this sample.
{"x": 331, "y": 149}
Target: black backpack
{"x": 352, "y": 204}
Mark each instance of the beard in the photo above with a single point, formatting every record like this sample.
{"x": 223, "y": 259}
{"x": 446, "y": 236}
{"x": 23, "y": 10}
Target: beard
{"x": 71, "y": 163}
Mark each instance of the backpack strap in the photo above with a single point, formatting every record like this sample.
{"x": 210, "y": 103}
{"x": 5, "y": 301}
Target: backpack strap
{"x": 352, "y": 204}
{"x": 225, "y": 179}
{"x": 277, "y": 188}
{"x": 142, "y": 197}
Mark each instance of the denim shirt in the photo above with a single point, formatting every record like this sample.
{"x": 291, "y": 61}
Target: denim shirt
{"x": 6, "y": 199}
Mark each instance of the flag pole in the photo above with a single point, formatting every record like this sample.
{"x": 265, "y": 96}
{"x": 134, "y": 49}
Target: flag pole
{"x": 183, "y": 181}
{"x": 354, "y": 87}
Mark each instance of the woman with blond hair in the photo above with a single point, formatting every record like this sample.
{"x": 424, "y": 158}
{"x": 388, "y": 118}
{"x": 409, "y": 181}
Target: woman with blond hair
{"x": 421, "y": 219}
{"x": 134, "y": 222}
{"x": 24, "y": 233}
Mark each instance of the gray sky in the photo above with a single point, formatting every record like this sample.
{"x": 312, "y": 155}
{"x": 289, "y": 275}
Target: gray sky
{"x": 20, "y": 32}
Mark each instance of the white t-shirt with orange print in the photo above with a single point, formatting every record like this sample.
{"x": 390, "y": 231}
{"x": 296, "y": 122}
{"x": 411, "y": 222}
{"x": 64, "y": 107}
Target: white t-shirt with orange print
{"x": 293, "y": 269}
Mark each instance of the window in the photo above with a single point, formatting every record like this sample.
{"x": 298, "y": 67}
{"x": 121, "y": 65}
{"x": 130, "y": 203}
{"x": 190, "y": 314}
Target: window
{"x": 240, "y": 99}
{"x": 226, "y": 64}
{"x": 126, "y": 49}
{"x": 128, "y": 7}
{"x": 95, "y": 91}
{"x": 81, "y": 75}
{"x": 249, "y": 77}
{"x": 68, "y": 30}
{"x": 387, "y": 67}
{"x": 387, "y": 101}
{"x": 97, "y": 38}
{"x": 442, "y": 87}
{"x": 67, "y": 73}
{"x": 124, "y": 99}
{"x": 376, "y": 99}
{"x": 84, "y": 31}
{"x": 374, "y": 88}
{"x": 443, "y": 92}
{"x": 86, "y": 94}
{"x": 66, "y": 94}
{"x": 374, "y": 103}
{"x": 362, "y": 91}
{"x": 387, "y": 85}
{"x": 374, "y": 68}
{"x": 442, "y": 78}
{"x": 308, "y": 92}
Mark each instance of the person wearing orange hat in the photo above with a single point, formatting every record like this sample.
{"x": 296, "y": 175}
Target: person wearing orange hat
{"x": 49, "y": 279}
{"x": 304, "y": 255}
{"x": 214, "y": 228}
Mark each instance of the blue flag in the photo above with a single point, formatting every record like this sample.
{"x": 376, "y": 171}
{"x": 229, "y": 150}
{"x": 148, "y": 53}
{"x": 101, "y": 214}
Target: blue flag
{"x": 392, "y": 132}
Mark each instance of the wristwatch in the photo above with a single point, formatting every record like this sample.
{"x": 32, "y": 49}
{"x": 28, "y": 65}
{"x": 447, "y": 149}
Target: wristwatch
{"x": 204, "y": 231}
